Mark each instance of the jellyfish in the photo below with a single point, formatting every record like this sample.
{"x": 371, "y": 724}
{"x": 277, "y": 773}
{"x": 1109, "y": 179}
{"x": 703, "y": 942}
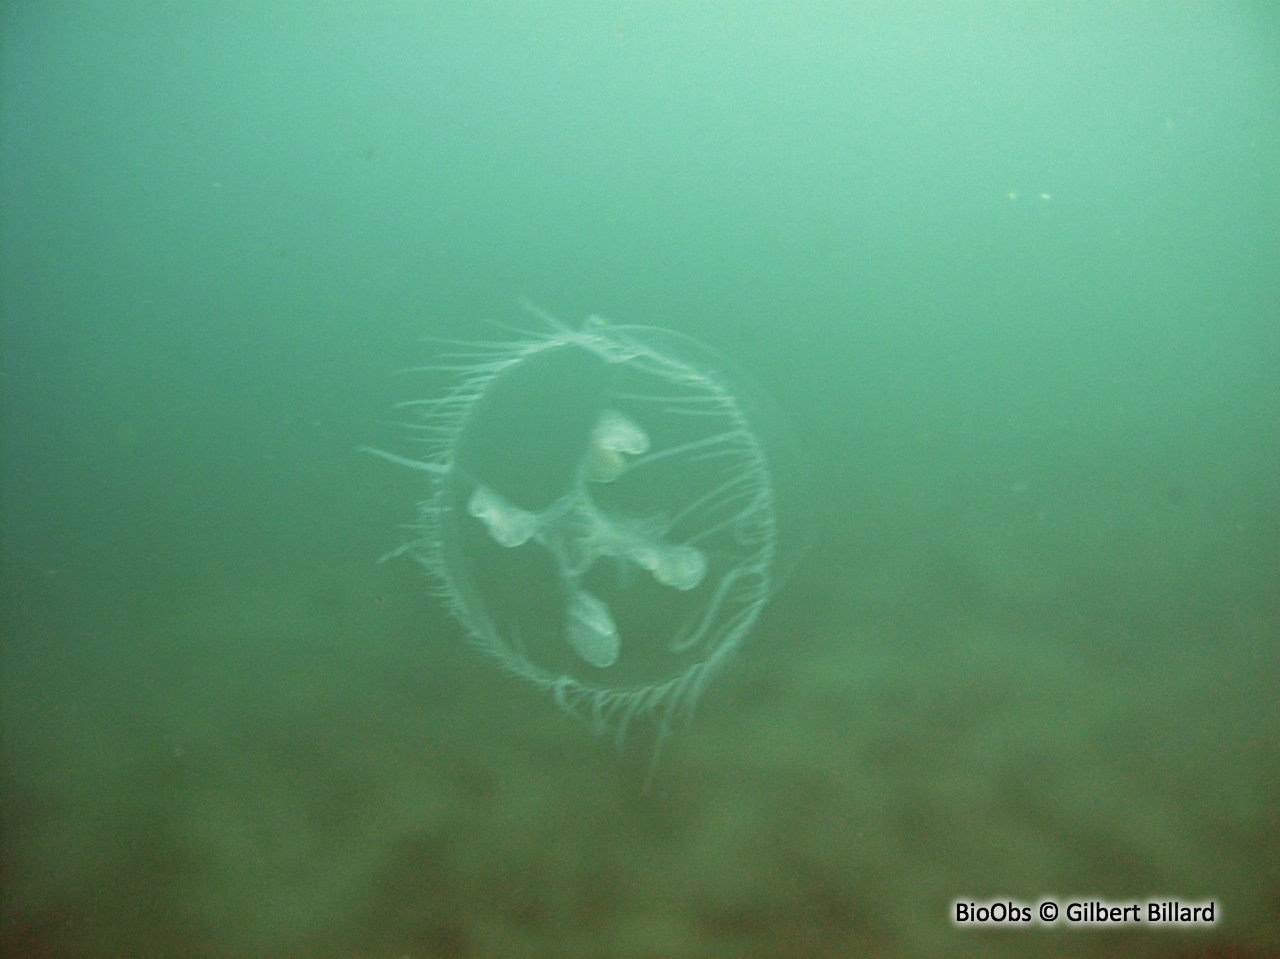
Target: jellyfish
{"x": 609, "y": 509}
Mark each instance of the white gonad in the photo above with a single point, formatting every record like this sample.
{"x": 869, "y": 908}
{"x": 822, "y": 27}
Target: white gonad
{"x": 613, "y": 436}
{"x": 508, "y": 525}
{"x": 592, "y": 631}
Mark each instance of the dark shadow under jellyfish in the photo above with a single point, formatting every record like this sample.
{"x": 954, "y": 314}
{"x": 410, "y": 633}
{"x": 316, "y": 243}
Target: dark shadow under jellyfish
{"x": 608, "y": 512}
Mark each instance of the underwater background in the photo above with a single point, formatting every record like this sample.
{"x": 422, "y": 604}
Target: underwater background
{"x": 1012, "y": 275}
